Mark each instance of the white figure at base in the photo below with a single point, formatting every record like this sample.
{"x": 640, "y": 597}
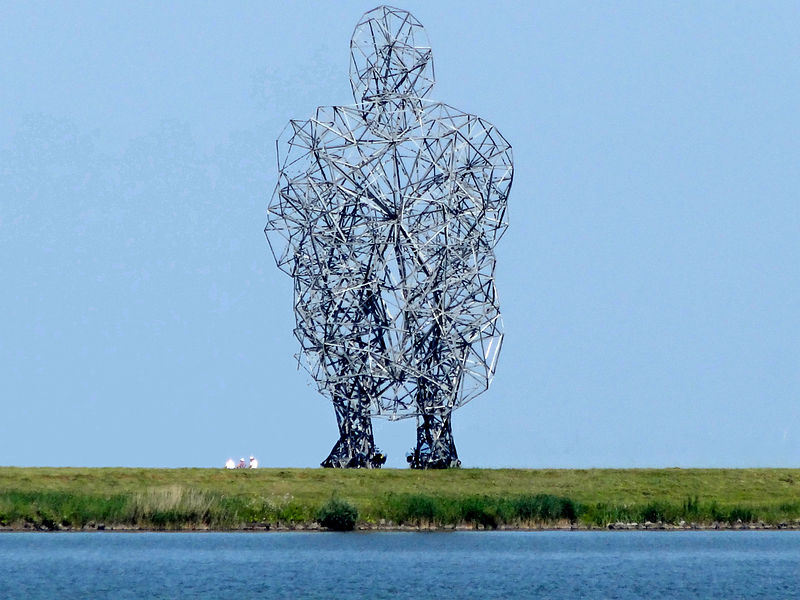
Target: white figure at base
{"x": 229, "y": 464}
{"x": 253, "y": 462}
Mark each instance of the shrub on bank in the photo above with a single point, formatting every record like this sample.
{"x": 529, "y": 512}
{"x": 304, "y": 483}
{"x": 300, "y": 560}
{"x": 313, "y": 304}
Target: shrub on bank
{"x": 338, "y": 515}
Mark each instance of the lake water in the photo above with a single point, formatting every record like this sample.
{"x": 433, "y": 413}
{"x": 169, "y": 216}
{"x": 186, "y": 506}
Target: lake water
{"x": 626, "y": 564}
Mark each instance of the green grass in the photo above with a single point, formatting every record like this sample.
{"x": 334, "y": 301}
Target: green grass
{"x": 221, "y": 499}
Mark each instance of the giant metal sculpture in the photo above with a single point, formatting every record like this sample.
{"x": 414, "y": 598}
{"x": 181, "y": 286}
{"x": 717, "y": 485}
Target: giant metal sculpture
{"x": 386, "y": 214}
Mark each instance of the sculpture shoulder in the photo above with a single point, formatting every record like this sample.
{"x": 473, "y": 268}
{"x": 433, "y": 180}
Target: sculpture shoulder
{"x": 474, "y": 130}
{"x": 476, "y": 144}
{"x": 302, "y": 141}
{"x": 328, "y": 122}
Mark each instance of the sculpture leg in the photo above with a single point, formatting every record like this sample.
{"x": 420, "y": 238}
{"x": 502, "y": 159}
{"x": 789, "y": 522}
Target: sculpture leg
{"x": 435, "y": 401}
{"x": 355, "y": 448}
{"x": 435, "y": 446}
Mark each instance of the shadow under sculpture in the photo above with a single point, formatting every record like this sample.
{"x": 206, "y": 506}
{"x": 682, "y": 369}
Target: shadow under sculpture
{"x": 386, "y": 214}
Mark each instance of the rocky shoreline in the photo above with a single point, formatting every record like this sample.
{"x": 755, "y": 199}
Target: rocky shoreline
{"x": 386, "y": 526}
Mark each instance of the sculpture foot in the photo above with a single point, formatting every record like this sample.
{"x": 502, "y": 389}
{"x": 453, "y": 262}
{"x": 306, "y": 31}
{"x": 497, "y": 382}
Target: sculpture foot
{"x": 344, "y": 456}
{"x": 424, "y": 462}
{"x": 435, "y": 446}
{"x": 356, "y": 446}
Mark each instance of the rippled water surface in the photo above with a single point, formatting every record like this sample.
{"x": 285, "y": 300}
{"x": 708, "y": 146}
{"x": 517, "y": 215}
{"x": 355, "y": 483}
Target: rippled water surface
{"x": 629, "y": 564}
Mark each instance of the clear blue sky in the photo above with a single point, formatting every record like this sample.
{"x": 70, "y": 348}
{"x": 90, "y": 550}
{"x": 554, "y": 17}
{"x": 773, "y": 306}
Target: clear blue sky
{"x": 649, "y": 281}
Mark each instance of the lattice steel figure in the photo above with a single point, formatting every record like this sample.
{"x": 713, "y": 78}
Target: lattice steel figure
{"x": 386, "y": 214}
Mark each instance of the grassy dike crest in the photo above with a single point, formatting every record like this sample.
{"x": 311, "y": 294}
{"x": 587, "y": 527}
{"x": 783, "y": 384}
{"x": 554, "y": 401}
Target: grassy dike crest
{"x": 175, "y": 499}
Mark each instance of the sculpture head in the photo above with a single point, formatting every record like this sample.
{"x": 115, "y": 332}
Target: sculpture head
{"x": 390, "y": 57}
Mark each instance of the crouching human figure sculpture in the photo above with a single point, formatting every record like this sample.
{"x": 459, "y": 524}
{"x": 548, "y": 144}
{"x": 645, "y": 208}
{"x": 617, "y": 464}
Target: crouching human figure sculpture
{"x": 386, "y": 214}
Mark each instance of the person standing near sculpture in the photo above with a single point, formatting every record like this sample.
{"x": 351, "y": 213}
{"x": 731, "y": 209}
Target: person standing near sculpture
{"x": 386, "y": 214}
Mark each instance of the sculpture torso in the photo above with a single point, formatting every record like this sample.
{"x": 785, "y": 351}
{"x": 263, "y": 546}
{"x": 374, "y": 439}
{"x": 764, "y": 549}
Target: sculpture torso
{"x": 401, "y": 207}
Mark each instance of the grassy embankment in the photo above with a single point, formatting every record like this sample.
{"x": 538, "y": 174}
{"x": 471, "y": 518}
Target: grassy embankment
{"x": 51, "y": 498}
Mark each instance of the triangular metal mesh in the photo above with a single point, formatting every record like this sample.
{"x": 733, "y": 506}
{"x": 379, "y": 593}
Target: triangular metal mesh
{"x": 386, "y": 214}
